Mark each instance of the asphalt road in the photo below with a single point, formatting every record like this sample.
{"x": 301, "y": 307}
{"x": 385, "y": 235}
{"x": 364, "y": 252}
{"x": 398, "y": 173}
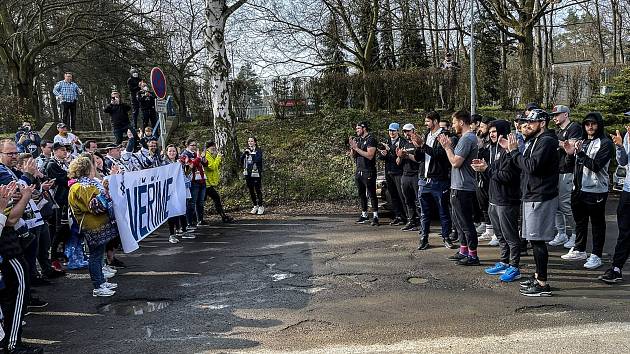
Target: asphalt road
{"x": 322, "y": 284}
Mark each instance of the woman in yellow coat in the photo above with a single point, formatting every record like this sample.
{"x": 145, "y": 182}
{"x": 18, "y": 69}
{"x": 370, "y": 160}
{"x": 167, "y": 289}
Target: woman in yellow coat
{"x": 212, "y": 170}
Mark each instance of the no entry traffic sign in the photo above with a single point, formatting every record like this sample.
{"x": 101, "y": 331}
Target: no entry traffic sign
{"x": 158, "y": 81}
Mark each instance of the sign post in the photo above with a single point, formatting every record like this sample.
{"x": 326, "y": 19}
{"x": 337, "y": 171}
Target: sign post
{"x": 158, "y": 82}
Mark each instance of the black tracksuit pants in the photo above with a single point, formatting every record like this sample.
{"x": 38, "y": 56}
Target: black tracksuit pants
{"x": 366, "y": 184}
{"x": 463, "y": 203}
{"x": 591, "y": 206}
{"x": 394, "y": 188}
{"x": 216, "y": 198}
{"x": 622, "y": 249}
{"x": 409, "y": 185}
{"x": 13, "y": 299}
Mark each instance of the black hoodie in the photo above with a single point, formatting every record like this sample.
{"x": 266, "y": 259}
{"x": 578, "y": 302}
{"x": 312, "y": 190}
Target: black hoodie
{"x": 502, "y": 172}
{"x": 391, "y": 167}
{"x": 539, "y": 165}
{"x": 439, "y": 165}
{"x": 590, "y": 167}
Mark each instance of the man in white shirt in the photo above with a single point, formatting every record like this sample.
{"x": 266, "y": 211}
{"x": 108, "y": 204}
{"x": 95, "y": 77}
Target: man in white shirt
{"x": 64, "y": 137}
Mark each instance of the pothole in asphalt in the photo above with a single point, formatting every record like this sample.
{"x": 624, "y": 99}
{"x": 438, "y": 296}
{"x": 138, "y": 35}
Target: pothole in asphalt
{"x": 544, "y": 309}
{"x": 416, "y": 280}
{"x": 134, "y": 307}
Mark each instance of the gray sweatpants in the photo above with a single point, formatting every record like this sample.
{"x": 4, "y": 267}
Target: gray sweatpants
{"x": 564, "y": 216}
{"x": 504, "y": 220}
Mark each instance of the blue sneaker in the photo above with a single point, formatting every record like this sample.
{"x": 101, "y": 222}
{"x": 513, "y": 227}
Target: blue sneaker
{"x": 498, "y": 268}
{"x": 511, "y": 274}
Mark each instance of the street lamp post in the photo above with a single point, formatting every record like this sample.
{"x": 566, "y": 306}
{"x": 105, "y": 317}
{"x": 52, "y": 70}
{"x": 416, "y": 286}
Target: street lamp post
{"x": 473, "y": 69}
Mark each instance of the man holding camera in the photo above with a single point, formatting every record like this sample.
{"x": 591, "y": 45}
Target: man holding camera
{"x": 27, "y": 140}
{"x": 119, "y": 113}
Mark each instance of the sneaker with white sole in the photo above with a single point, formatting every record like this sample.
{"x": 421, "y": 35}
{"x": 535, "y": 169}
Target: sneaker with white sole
{"x": 560, "y": 239}
{"x": 481, "y": 228}
{"x": 110, "y": 268}
{"x": 261, "y": 210}
{"x": 188, "y": 235}
{"x": 593, "y": 262}
{"x": 570, "y": 243}
{"x": 108, "y": 285}
{"x": 254, "y": 210}
{"x": 494, "y": 242}
{"x": 107, "y": 274}
{"x": 574, "y": 255}
{"x": 103, "y": 292}
{"x": 487, "y": 235}
{"x": 173, "y": 239}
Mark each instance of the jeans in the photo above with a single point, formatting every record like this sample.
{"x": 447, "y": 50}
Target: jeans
{"x": 564, "y": 216}
{"x": 395, "y": 193}
{"x": 462, "y": 203}
{"x": 587, "y": 206}
{"x": 438, "y": 191}
{"x": 195, "y": 212}
{"x": 366, "y": 184}
{"x": 504, "y": 219}
{"x": 622, "y": 249}
{"x": 95, "y": 265}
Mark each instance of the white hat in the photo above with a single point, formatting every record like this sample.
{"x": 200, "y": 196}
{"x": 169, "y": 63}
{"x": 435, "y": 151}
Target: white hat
{"x": 408, "y": 126}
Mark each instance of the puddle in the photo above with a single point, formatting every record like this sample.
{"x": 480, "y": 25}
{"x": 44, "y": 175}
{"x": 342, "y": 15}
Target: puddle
{"x": 134, "y": 307}
{"x": 281, "y": 276}
{"x": 544, "y": 309}
{"x": 286, "y": 244}
{"x": 416, "y": 280}
{"x": 309, "y": 291}
{"x": 212, "y": 307}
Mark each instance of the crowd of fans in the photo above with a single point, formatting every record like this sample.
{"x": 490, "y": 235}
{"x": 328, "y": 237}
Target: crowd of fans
{"x": 515, "y": 185}
{"x": 54, "y": 195}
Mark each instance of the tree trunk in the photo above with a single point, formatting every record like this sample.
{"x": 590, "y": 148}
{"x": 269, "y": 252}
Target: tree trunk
{"x": 600, "y": 38}
{"x": 219, "y": 69}
{"x": 526, "y": 60}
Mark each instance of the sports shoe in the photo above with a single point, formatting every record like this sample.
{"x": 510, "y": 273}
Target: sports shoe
{"x": 108, "y": 285}
{"x": 469, "y": 261}
{"x": 188, "y": 235}
{"x": 528, "y": 282}
{"x": 574, "y": 255}
{"x": 362, "y": 219}
{"x": 448, "y": 244}
{"x": 537, "y": 290}
{"x": 26, "y": 349}
{"x": 107, "y": 274}
{"x": 611, "y": 277}
{"x": 56, "y": 265}
{"x": 560, "y": 239}
{"x": 117, "y": 263}
{"x": 570, "y": 243}
{"x": 487, "y": 235}
{"x": 457, "y": 256}
{"x": 494, "y": 241}
{"x": 593, "y": 262}
{"x": 498, "y": 268}
{"x": 396, "y": 221}
{"x": 375, "y": 221}
{"x": 173, "y": 239}
{"x": 103, "y": 292}
{"x": 481, "y": 228}
{"x": 205, "y": 223}
{"x": 191, "y": 228}
{"x": 178, "y": 232}
{"x": 254, "y": 210}
{"x": 409, "y": 227}
{"x": 511, "y": 274}
{"x": 424, "y": 244}
{"x": 261, "y": 210}
{"x": 109, "y": 269}
{"x": 37, "y": 303}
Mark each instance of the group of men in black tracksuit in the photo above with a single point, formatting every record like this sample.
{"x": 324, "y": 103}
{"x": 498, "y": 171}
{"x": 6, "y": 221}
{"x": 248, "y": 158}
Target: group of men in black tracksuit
{"x": 515, "y": 178}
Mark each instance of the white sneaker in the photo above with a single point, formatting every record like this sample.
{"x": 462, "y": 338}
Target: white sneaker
{"x": 103, "y": 292}
{"x": 190, "y": 228}
{"x": 570, "y": 243}
{"x": 110, "y": 268}
{"x": 494, "y": 242}
{"x": 107, "y": 274}
{"x": 261, "y": 210}
{"x": 593, "y": 262}
{"x": 108, "y": 285}
{"x": 188, "y": 235}
{"x": 487, "y": 235}
{"x": 173, "y": 239}
{"x": 254, "y": 210}
{"x": 560, "y": 239}
{"x": 481, "y": 228}
{"x": 574, "y": 255}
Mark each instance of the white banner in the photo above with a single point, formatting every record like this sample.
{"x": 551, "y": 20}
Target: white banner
{"x": 144, "y": 200}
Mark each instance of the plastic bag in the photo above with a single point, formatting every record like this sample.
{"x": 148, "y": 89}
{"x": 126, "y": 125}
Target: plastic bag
{"x": 74, "y": 251}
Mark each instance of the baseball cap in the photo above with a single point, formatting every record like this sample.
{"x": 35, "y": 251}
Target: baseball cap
{"x": 536, "y": 115}
{"x": 557, "y": 109}
{"x": 111, "y": 146}
{"x": 61, "y": 125}
{"x": 408, "y": 126}
{"x": 532, "y": 105}
{"x": 58, "y": 145}
{"x": 394, "y": 126}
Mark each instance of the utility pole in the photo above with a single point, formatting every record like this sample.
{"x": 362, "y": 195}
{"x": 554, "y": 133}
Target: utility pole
{"x": 473, "y": 69}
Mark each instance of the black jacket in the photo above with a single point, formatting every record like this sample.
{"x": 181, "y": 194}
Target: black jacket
{"x": 409, "y": 167}
{"x": 502, "y": 173}
{"x": 133, "y": 83}
{"x": 147, "y": 100}
{"x": 439, "y": 166}
{"x": 391, "y": 167}
{"x": 119, "y": 115}
{"x": 54, "y": 170}
{"x": 572, "y": 131}
{"x": 539, "y": 165}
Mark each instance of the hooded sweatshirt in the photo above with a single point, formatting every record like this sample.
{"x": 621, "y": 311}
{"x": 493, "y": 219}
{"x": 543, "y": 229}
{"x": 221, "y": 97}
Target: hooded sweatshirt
{"x": 439, "y": 167}
{"x": 539, "y": 165}
{"x": 502, "y": 172}
{"x": 590, "y": 166}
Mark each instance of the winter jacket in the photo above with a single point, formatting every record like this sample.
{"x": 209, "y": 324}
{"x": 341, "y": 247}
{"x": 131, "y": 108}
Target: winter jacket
{"x": 590, "y": 164}
{"x": 54, "y": 169}
{"x": 623, "y": 155}
{"x": 502, "y": 173}
{"x": 119, "y": 115}
{"x": 133, "y": 83}
{"x": 391, "y": 167}
{"x": 539, "y": 165}
{"x": 147, "y": 100}
{"x": 194, "y": 162}
{"x": 256, "y": 160}
{"x": 439, "y": 165}
{"x": 212, "y": 169}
